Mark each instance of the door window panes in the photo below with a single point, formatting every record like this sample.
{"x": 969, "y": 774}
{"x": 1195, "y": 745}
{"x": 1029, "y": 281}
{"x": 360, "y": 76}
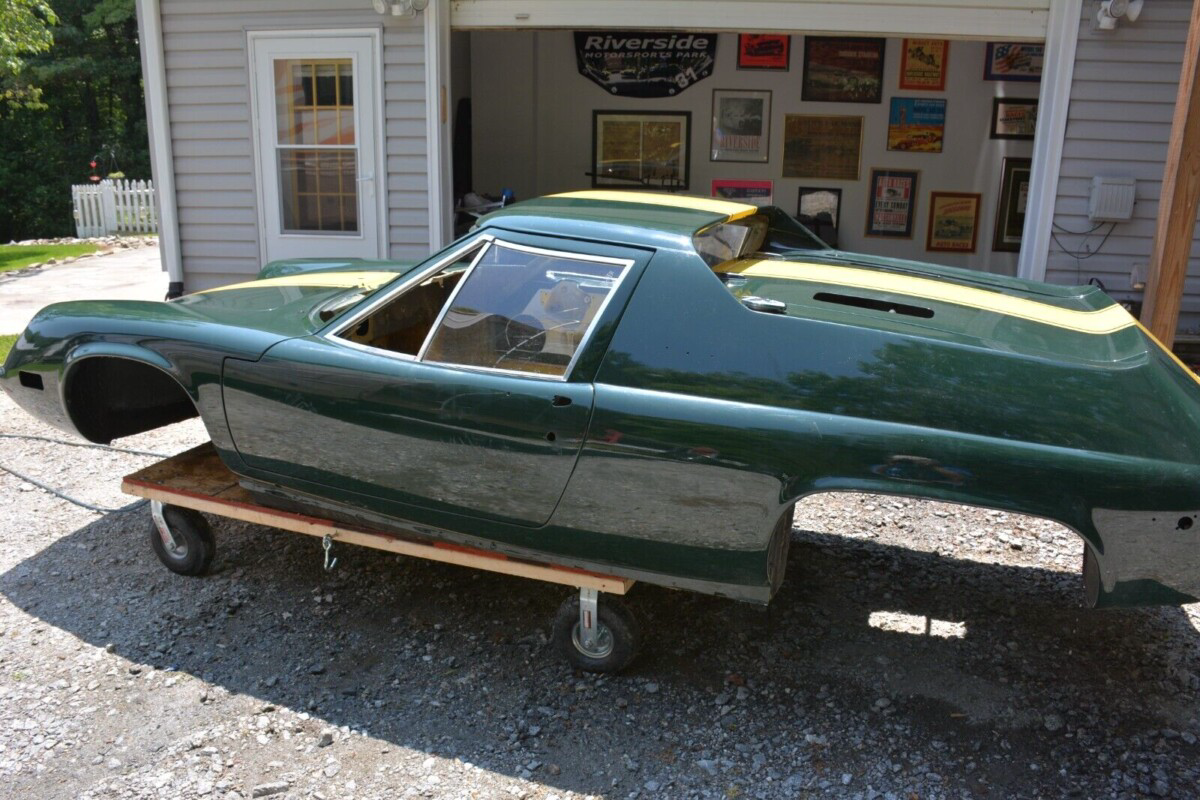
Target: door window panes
{"x": 523, "y": 310}
{"x": 316, "y": 145}
{"x": 403, "y": 324}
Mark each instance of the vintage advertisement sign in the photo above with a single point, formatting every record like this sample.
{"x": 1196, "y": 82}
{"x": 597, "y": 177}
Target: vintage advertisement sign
{"x": 817, "y": 146}
{"x": 842, "y": 70}
{"x": 741, "y": 125}
{"x": 923, "y": 64}
{"x": 764, "y": 51}
{"x": 893, "y": 201}
{"x": 916, "y": 124}
{"x": 645, "y": 63}
{"x": 758, "y": 193}
{"x": 953, "y": 222}
{"x": 1014, "y": 118}
{"x": 1013, "y": 61}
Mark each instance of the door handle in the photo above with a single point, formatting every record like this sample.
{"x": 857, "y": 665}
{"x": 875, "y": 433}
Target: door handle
{"x": 560, "y": 400}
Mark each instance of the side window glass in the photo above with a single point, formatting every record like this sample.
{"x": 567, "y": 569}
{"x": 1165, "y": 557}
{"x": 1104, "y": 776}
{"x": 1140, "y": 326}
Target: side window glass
{"x": 403, "y": 324}
{"x": 523, "y": 310}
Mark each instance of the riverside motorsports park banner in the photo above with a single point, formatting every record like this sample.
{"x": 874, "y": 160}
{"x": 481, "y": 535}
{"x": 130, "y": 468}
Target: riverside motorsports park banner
{"x": 645, "y": 63}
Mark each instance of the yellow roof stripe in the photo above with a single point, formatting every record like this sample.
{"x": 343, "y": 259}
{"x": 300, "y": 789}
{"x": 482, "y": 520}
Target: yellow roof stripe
{"x": 331, "y": 280}
{"x": 730, "y": 209}
{"x": 1167, "y": 350}
{"x": 1103, "y": 321}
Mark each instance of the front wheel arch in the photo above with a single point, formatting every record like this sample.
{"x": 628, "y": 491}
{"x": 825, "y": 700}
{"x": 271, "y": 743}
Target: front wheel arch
{"x": 107, "y": 397}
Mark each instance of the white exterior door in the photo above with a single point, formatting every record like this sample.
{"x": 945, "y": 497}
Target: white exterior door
{"x": 317, "y": 138}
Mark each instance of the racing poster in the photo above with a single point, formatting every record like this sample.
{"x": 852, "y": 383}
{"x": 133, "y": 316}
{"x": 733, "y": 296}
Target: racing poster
{"x": 645, "y": 63}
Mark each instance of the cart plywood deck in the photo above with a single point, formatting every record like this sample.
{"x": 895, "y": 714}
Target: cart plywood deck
{"x": 197, "y": 481}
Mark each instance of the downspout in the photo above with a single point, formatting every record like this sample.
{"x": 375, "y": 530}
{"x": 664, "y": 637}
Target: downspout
{"x": 162, "y": 163}
{"x": 437, "y": 122}
{"x": 1054, "y": 98}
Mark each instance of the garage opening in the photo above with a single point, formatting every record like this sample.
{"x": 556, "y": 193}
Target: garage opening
{"x": 907, "y": 147}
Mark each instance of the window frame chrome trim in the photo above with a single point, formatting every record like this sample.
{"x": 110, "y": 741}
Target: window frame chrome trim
{"x": 330, "y": 332}
{"x": 484, "y": 242}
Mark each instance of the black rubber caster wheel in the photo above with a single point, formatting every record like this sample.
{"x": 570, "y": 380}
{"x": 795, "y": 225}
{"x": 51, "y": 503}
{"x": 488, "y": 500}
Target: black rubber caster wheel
{"x": 618, "y": 636}
{"x": 188, "y": 546}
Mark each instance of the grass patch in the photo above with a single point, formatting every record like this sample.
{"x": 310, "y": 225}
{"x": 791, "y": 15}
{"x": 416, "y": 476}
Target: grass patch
{"x": 7, "y": 340}
{"x": 16, "y": 256}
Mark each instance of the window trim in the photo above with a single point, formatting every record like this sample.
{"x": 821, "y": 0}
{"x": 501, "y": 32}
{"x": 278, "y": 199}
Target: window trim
{"x": 484, "y": 242}
{"x": 331, "y": 331}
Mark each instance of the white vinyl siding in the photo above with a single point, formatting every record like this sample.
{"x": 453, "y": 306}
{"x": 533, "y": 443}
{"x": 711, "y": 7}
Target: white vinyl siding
{"x": 1118, "y": 124}
{"x": 208, "y": 98}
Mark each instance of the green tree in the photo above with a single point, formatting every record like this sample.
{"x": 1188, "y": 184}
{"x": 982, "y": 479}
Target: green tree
{"x": 24, "y": 29}
{"x": 91, "y": 107}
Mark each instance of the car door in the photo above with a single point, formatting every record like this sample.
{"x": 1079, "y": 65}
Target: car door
{"x": 458, "y": 391}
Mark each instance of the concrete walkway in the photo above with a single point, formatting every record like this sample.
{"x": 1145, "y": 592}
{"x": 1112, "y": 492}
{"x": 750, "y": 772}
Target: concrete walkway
{"x": 134, "y": 274}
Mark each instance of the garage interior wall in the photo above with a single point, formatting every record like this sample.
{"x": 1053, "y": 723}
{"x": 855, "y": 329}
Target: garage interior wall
{"x": 532, "y": 122}
{"x": 1118, "y": 124}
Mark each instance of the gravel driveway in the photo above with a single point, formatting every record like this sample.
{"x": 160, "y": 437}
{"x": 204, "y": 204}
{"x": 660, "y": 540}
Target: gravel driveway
{"x": 916, "y": 650}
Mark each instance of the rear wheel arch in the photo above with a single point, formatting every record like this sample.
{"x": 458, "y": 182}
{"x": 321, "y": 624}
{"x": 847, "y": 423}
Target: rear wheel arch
{"x": 108, "y": 396}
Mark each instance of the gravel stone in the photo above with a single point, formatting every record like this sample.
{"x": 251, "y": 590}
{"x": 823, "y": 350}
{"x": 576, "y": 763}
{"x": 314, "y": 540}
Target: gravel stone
{"x": 911, "y": 650}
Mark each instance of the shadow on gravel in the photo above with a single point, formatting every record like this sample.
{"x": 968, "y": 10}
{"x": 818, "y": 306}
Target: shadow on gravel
{"x": 455, "y": 663}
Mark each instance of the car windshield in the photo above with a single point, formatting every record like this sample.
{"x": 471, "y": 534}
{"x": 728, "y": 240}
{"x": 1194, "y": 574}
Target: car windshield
{"x": 768, "y": 231}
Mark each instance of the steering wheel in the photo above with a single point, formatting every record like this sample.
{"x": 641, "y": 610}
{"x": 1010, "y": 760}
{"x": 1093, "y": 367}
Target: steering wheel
{"x": 532, "y": 340}
{"x": 524, "y": 334}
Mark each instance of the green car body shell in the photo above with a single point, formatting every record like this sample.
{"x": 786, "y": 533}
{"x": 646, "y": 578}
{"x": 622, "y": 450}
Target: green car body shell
{"x": 689, "y": 424}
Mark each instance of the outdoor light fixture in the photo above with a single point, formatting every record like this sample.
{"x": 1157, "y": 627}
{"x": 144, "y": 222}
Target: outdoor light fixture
{"x": 1112, "y": 10}
{"x": 401, "y": 8}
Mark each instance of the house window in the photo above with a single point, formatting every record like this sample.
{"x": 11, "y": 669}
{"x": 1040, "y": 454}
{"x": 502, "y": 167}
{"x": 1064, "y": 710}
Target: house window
{"x": 316, "y": 144}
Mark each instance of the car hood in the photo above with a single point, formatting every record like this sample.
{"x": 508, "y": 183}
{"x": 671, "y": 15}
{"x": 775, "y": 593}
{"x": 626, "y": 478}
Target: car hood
{"x": 242, "y": 319}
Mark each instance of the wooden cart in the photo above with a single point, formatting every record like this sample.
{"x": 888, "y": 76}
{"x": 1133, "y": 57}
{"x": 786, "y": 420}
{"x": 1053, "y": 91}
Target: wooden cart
{"x": 592, "y": 637}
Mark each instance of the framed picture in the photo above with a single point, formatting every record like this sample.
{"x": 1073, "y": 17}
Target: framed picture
{"x": 923, "y": 64}
{"x": 1010, "y": 210}
{"x": 817, "y": 146}
{"x": 842, "y": 70}
{"x": 916, "y": 124}
{"x": 764, "y": 51}
{"x": 813, "y": 201}
{"x": 893, "y": 202}
{"x": 635, "y": 148}
{"x": 757, "y": 193}
{"x": 741, "y": 125}
{"x": 953, "y": 222}
{"x": 1013, "y": 118}
{"x": 1013, "y": 61}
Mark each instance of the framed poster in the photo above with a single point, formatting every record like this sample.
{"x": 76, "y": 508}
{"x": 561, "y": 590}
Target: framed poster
{"x": 741, "y": 125}
{"x": 645, "y": 63}
{"x": 1013, "y": 61}
{"x": 813, "y": 201}
{"x": 764, "y": 51}
{"x": 892, "y": 203}
{"x": 635, "y": 148}
{"x": 953, "y": 222}
{"x": 756, "y": 193}
{"x": 1010, "y": 210}
{"x": 1013, "y": 118}
{"x": 923, "y": 64}
{"x": 817, "y": 146}
{"x": 917, "y": 124}
{"x": 843, "y": 70}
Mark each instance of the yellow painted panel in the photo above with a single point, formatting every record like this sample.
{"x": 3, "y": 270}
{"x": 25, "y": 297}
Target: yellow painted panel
{"x": 730, "y": 209}
{"x": 1103, "y": 321}
{"x": 332, "y": 280}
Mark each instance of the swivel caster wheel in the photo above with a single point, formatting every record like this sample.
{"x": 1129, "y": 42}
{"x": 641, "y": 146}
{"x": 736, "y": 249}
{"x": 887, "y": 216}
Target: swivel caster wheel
{"x": 181, "y": 538}
{"x": 596, "y": 637}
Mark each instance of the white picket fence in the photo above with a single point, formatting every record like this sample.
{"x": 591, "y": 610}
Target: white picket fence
{"x": 110, "y": 207}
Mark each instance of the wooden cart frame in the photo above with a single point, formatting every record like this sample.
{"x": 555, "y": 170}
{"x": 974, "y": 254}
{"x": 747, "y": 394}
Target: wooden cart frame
{"x": 198, "y": 481}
